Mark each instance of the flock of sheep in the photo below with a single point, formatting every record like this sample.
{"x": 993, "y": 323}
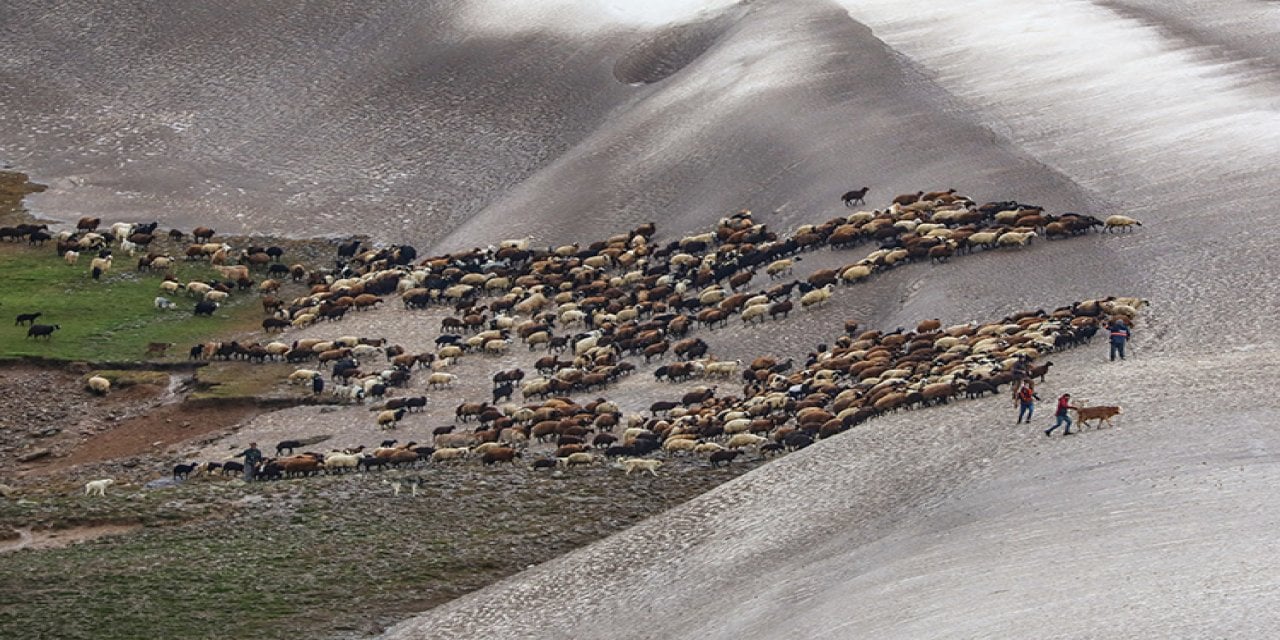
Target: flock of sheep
{"x": 589, "y": 308}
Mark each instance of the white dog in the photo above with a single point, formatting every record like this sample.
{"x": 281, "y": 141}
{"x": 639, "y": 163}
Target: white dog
{"x": 98, "y": 487}
{"x": 165, "y": 303}
{"x": 642, "y": 465}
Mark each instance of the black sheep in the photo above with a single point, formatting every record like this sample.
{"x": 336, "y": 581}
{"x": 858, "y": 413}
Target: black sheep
{"x": 206, "y": 308}
{"x": 42, "y": 330}
{"x": 724, "y": 457}
{"x": 286, "y": 445}
{"x": 183, "y": 471}
{"x": 27, "y": 318}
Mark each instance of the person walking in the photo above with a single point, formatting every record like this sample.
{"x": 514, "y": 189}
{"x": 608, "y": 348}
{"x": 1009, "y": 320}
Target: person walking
{"x": 1026, "y": 401}
{"x": 252, "y": 456}
{"x": 1119, "y": 336}
{"x": 1064, "y": 403}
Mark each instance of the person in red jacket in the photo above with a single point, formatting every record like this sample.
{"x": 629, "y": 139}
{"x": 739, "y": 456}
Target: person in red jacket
{"x": 1064, "y": 403}
{"x": 1026, "y": 401}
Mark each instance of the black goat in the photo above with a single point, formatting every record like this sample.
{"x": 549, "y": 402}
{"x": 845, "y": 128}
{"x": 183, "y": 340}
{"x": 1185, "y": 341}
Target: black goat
{"x": 183, "y": 471}
{"x": 855, "y": 197}
{"x": 27, "y": 318}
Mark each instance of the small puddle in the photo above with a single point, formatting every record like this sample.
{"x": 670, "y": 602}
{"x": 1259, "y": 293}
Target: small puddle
{"x": 58, "y": 538}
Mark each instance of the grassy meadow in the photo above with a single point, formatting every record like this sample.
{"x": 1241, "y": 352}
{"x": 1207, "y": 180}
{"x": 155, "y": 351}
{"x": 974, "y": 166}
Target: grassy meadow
{"x": 110, "y": 320}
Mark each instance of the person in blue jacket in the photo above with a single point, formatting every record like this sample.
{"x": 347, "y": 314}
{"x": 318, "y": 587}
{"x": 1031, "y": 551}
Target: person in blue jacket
{"x": 1119, "y": 336}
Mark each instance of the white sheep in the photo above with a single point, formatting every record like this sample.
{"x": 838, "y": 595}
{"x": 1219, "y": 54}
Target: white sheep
{"x": 1014, "y": 238}
{"x": 101, "y": 265}
{"x": 856, "y": 273}
{"x": 98, "y": 487}
{"x": 817, "y": 296}
{"x": 197, "y": 289}
{"x": 71, "y": 257}
{"x": 751, "y": 313}
{"x": 303, "y": 376}
{"x": 170, "y": 287}
{"x": 99, "y": 385}
{"x": 779, "y": 268}
{"x": 745, "y": 440}
{"x": 441, "y": 379}
{"x": 497, "y": 346}
{"x": 679, "y": 444}
{"x": 520, "y": 244}
{"x": 1120, "y": 222}
{"x": 709, "y": 447}
{"x": 449, "y": 453}
{"x": 722, "y": 369}
{"x": 642, "y": 464}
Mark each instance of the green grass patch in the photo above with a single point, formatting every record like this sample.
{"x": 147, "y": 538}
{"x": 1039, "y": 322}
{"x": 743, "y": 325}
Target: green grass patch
{"x": 112, "y": 319}
{"x": 238, "y": 381}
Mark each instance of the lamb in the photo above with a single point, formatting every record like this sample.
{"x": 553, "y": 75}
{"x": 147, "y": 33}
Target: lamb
{"x": 641, "y": 464}
{"x": 1120, "y": 222}
{"x": 99, "y": 385}
{"x": 98, "y": 487}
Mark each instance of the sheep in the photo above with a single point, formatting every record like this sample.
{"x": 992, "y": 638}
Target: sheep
{"x": 99, "y": 385}
{"x": 197, "y": 289}
{"x": 672, "y": 445}
{"x": 42, "y": 331}
{"x": 170, "y": 287}
{"x": 1120, "y": 222}
{"x": 303, "y": 376}
{"x": 99, "y": 267}
{"x": 780, "y": 268}
{"x": 441, "y": 379}
{"x": 817, "y": 296}
{"x": 71, "y": 257}
{"x": 725, "y": 369}
{"x": 162, "y": 302}
{"x": 388, "y": 419}
{"x": 183, "y": 471}
{"x": 98, "y": 487}
{"x": 450, "y": 453}
{"x": 724, "y": 457}
{"x": 751, "y": 313}
{"x": 745, "y": 440}
{"x": 856, "y": 273}
{"x": 575, "y": 459}
{"x": 1015, "y": 238}
{"x": 641, "y": 464}
{"x": 216, "y": 296}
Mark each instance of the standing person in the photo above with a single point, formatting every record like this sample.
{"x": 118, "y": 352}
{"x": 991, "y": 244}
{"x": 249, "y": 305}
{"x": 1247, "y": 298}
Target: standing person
{"x": 252, "y": 456}
{"x": 1119, "y": 336}
{"x": 1064, "y": 403}
{"x": 1026, "y": 401}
